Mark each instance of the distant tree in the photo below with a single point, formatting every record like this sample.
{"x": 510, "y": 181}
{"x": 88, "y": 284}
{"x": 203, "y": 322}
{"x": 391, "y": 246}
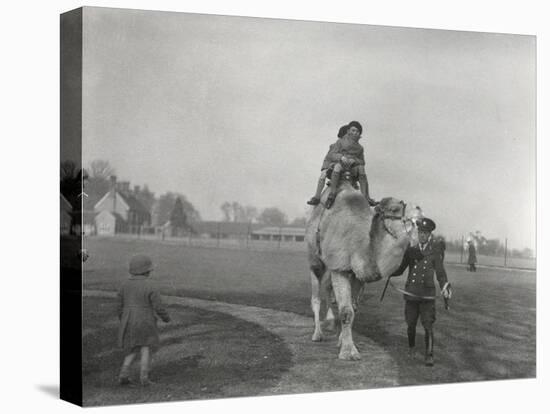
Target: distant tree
{"x": 146, "y": 197}
{"x": 250, "y": 213}
{"x": 226, "y": 209}
{"x": 68, "y": 170}
{"x": 99, "y": 181}
{"x": 178, "y": 219}
{"x": 101, "y": 169}
{"x": 236, "y": 212}
{"x": 485, "y": 246}
{"x": 71, "y": 182}
{"x": 491, "y": 247}
{"x": 299, "y": 221}
{"x": 272, "y": 216}
{"x": 166, "y": 204}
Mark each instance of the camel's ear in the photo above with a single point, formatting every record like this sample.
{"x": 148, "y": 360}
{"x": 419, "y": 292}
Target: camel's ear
{"x": 377, "y": 208}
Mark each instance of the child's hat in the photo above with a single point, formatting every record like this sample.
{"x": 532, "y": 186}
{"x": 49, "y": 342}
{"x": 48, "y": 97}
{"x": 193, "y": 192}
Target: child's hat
{"x": 356, "y": 125}
{"x": 140, "y": 264}
{"x": 342, "y": 131}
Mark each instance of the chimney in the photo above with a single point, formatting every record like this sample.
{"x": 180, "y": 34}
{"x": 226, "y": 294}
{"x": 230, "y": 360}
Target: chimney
{"x": 136, "y": 189}
{"x": 113, "y": 191}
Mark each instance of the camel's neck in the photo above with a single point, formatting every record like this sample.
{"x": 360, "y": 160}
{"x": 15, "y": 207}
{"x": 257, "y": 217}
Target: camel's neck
{"x": 387, "y": 250}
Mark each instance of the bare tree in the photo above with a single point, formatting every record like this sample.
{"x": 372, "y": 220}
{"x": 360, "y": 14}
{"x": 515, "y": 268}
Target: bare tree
{"x": 234, "y": 211}
{"x": 101, "y": 169}
{"x": 226, "y": 209}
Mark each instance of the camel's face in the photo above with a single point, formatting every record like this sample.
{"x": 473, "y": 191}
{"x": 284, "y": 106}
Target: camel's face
{"x": 404, "y": 217}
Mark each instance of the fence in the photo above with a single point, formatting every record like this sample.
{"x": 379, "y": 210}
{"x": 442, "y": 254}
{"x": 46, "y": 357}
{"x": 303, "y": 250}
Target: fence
{"x": 229, "y": 236}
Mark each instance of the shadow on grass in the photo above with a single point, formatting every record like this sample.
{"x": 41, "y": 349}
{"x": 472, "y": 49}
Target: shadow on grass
{"x": 203, "y": 355}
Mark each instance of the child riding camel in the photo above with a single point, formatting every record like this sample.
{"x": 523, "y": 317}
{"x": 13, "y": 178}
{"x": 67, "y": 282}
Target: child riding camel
{"x": 346, "y": 154}
{"x": 316, "y": 199}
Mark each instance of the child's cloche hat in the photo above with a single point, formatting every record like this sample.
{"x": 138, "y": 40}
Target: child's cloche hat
{"x": 140, "y": 264}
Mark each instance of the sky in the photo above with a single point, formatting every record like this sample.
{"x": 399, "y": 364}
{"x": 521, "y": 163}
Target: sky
{"x": 241, "y": 109}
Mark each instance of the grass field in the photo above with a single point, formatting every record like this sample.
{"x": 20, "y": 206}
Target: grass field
{"x": 489, "y": 333}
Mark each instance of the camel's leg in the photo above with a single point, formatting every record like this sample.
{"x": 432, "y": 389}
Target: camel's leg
{"x": 342, "y": 290}
{"x": 330, "y": 323}
{"x": 357, "y": 288}
{"x": 316, "y": 307}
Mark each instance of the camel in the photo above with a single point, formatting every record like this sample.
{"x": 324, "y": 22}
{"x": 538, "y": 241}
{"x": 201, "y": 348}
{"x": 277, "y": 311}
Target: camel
{"x": 350, "y": 245}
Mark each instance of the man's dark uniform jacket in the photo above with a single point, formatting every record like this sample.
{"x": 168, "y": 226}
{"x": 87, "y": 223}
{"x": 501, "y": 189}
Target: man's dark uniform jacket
{"x": 422, "y": 264}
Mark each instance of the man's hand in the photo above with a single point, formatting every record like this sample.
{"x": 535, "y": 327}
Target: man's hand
{"x": 446, "y": 292}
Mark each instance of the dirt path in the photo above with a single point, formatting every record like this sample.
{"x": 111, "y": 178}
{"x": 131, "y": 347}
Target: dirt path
{"x": 315, "y": 366}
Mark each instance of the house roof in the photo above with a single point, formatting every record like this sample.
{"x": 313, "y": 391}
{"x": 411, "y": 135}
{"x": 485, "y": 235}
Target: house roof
{"x": 134, "y": 203}
{"x": 131, "y": 202}
{"x": 107, "y": 194}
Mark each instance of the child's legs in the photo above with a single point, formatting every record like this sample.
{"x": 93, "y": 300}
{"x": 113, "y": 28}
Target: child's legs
{"x": 145, "y": 363}
{"x": 335, "y": 177}
{"x": 125, "y": 370}
{"x": 321, "y": 183}
{"x": 358, "y": 170}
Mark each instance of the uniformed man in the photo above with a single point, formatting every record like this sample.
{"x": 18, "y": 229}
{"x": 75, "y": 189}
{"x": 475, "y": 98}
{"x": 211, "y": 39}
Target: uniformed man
{"x": 423, "y": 260}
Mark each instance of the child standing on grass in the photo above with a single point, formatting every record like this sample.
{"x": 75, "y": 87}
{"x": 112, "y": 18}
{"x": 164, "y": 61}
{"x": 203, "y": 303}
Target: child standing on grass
{"x": 139, "y": 303}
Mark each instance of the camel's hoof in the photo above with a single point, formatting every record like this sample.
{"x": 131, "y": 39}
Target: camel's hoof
{"x": 349, "y": 353}
{"x": 317, "y": 337}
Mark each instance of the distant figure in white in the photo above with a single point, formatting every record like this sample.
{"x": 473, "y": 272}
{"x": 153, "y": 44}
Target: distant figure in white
{"x": 350, "y": 245}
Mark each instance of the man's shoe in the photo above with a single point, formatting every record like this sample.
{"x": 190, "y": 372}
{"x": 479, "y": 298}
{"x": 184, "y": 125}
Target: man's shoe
{"x": 313, "y": 201}
{"x": 147, "y": 382}
{"x": 124, "y": 381}
{"x": 429, "y": 361}
{"x": 412, "y": 352}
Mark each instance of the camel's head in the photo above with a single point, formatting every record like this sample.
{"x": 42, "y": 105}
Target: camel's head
{"x": 400, "y": 218}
